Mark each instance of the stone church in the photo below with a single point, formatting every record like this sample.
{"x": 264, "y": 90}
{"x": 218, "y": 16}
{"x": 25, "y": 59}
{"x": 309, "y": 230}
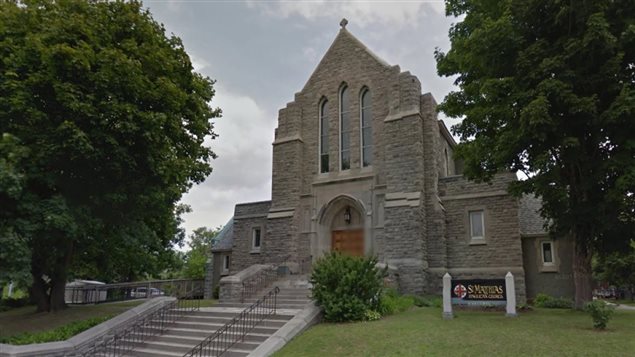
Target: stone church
{"x": 361, "y": 164}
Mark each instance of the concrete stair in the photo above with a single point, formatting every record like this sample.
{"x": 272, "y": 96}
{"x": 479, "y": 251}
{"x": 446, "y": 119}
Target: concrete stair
{"x": 189, "y": 331}
{"x": 294, "y": 294}
{"x": 192, "y": 329}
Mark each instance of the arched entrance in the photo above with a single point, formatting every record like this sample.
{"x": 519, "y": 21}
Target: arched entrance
{"x": 342, "y": 226}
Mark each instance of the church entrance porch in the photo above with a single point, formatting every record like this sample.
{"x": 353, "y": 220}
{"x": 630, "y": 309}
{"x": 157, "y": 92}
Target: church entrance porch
{"x": 343, "y": 226}
{"x": 350, "y": 242}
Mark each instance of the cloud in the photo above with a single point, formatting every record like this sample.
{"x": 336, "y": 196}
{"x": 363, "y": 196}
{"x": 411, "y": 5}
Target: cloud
{"x": 198, "y": 63}
{"x": 400, "y": 14}
{"x": 242, "y": 171}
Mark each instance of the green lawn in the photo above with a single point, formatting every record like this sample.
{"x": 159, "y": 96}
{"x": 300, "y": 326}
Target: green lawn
{"x": 208, "y": 302}
{"x": 625, "y": 302}
{"x": 423, "y": 332}
{"x": 24, "y": 319}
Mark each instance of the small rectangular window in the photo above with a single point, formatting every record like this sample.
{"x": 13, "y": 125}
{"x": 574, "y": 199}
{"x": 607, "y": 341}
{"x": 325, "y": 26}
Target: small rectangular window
{"x": 547, "y": 253}
{"x": 226, "y": 262}
{"x": 256, "y": 239}
{"x": 477, "y": 225}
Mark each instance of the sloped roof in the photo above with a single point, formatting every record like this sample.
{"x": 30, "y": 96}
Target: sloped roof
{"x": 224, "y": 240}
{"x": 342, "y": 37}
{"x": 530, "y": 221}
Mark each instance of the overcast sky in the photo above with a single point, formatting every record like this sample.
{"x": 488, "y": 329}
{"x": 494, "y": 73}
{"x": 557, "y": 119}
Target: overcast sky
{"x": 262, "y": 52}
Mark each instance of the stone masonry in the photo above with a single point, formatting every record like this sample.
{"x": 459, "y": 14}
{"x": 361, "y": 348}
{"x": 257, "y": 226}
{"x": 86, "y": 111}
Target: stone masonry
{"x": 412, "y": 202}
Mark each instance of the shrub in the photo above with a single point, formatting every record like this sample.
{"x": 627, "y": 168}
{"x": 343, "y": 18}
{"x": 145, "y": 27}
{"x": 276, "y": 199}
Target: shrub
{"x": 346, "y": 287}
{"x": 12, "y": 303}
{"x": 371, "y": 315}
{"x": 391, "y": 302}
{"x": 58, "y": 334}
{"x": 216, "y": 292}
{"x": 428, "y": 301}
{"x": 550, "y": 302}
{"x": 600, "y": 312}
{"x": 15, "y": 302}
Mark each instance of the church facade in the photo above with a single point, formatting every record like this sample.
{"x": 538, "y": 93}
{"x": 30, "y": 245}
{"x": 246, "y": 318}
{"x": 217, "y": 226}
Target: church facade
{"x": 362, "y": 165}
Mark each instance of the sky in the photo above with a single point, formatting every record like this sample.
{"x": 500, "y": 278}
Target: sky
{"x": 262, "y": 52}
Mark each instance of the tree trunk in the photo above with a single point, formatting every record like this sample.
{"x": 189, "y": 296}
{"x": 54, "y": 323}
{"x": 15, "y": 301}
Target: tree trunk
{"x": 582, "y": 274}
{"x": 39, "y": 288}
{"x": 49, "y": 280}
{"x": 39, "y": 294}
{"x": 58, "y": 287}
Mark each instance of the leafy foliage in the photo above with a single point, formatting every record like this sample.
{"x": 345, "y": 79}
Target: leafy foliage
{"x": 13, "y": 302}
{"x": 103, "y": 123}
{"x": 600, "y": 312}
{"x": 200, "y": 246}
{"x": 547, "y": 88}
{"x": 346, "y": 287}
{"x": 618, "y": 268}
{"x": 428, "y": 301}
{"x": 58, "y": 334}
{"x": 371, "y": 315}
{"x": 550, "y": 302}
{"x": 391, "y": 302}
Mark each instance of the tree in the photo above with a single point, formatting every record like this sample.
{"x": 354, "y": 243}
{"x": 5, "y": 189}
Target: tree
{"x": 618, "y": 268}
{"x": 14, "y": 255}
{"x": 547, "y": 88}
{"x": 110, "y": 121}
{"x": 200, "y": 247}
{"x": 128, "y": 260}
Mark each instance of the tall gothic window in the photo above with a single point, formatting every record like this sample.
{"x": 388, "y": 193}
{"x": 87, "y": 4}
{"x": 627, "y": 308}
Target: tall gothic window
{"x": 366, "y": 128}
{"x": 345, "y": 130}
{"x": 324, "y": 137}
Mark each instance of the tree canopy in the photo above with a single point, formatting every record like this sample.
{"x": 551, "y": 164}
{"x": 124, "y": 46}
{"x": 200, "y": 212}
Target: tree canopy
{"x": 200, "y": 244}
{"x": 103, "y": 122}
{"x": 548, "y": 88}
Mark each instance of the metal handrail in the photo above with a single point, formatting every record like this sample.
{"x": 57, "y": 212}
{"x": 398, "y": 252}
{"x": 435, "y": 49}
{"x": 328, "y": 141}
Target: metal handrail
{"x": 95, "y": 294}
{"x": 258, "y": 282}
{"x": 138, "y": 331}
{"x": 236, "y": 329}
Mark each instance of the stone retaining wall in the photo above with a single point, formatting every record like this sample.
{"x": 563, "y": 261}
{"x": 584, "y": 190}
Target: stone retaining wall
{"x": 82, "y": 341}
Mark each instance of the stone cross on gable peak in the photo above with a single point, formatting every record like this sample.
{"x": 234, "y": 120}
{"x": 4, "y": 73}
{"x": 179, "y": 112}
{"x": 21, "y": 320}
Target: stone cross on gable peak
{"x": 343, "y": 23}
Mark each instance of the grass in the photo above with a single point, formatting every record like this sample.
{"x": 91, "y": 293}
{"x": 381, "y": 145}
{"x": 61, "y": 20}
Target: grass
{"x": 26, "y": 320}
{"x": 208, "y": 302}
{"x": 423, "y": 332}
{"x": 624, "y": 302}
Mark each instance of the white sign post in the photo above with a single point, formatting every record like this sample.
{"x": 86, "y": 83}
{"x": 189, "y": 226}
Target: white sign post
{"x": 510, "y": 290}
{"x": 447, "y": 297}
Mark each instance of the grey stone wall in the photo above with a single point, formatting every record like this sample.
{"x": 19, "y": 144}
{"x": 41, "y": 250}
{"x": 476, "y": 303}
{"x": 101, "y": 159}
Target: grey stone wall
{"x": 282, "y": 243}
{"x": 435, "y": 216}
{"x": 246, "y": 218}
{"x": 404, "y": 241}
{"x": 252, "y": 208}
{"x": 555, "y": 281}
{"x": 501, "y": 250}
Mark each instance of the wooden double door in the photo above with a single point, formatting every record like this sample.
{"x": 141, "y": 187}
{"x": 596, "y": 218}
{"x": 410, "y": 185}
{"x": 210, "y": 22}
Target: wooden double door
{"x": 349, "y": 242}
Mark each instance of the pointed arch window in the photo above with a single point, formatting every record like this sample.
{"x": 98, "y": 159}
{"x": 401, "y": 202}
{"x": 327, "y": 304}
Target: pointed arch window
{"x": 345, "y": 130}
{"x": 366, "y": 125}
{"x": 324, "y": 136}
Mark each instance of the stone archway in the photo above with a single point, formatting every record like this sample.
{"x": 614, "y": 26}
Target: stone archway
{"x": 342, "y": 226}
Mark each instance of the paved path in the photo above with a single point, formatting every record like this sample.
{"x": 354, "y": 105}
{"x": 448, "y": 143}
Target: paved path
{"x": 625, "y": 307}
{"x": 622, "y": 306}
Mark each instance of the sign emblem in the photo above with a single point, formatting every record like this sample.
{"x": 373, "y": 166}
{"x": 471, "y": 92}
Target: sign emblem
{"x": 460, "y": 291}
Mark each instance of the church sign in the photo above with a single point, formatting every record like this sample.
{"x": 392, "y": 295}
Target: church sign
{"x": 478, "y": 292}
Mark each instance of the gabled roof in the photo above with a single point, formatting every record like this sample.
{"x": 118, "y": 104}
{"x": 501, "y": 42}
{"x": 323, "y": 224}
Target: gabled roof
{"x": 530, "y": 220}
{"x": 224, "y": 240}
{"x": 345, "y": 38}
